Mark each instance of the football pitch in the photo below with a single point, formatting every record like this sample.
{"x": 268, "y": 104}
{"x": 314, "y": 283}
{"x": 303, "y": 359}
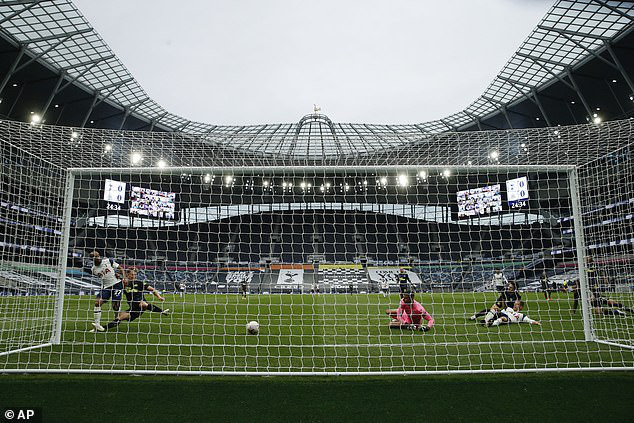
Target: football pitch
{"x": 312, "y": 333}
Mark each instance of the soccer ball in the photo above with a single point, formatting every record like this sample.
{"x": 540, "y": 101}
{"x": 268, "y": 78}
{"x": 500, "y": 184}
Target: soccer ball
{"x": 253, "y": 328}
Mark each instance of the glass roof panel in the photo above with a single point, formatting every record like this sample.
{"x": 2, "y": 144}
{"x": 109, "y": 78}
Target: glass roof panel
{"x": 61, "y": 35}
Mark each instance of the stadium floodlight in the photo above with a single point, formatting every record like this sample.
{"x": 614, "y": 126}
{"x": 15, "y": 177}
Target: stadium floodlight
{"x": 228, "y": 179}
{"x": 161, "y": 163}
{"x": 207, "y": 178}
{"x": 35, "y": 119}
{"x": 494, "y": 155}
{"x": 423, "y": 174}
{"x": 597, "y": 119}
{"x": 383, "y": 180}
{"x": 403, "y": 180}
{"x": 107, "y": 148}
{"x": 303, "y": 185}
{"x": 265, "y": 183}
{"x": 136, "y": 158}
{"x": 74, "y": 135}
{"x": 446, "y": 173}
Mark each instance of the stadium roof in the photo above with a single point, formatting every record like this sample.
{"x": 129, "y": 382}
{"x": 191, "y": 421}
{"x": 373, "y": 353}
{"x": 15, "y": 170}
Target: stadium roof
{"x": 48, "y": 46}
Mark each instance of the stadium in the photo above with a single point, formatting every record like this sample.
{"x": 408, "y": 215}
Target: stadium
{"x": 315, "y": 229}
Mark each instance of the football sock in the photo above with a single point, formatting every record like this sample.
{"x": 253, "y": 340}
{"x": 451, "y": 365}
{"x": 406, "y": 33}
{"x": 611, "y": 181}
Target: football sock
{"x": 97, "y": 314}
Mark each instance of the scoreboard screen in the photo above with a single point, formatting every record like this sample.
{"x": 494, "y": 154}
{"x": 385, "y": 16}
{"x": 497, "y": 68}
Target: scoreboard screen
{"x": 479, "y": 201}
{"x": 114, "y": 191}
{"x": 152, "y": 203}
{"x": 517, "y": 192}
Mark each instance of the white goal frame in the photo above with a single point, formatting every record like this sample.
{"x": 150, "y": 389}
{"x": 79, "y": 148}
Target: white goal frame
{"x": 73, "y": 173}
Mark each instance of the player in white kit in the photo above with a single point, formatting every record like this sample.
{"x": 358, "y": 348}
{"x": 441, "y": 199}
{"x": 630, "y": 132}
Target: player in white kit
{"x": 513, "y": 315}
{"x": 499, "y": 281}
{"x": 385, "y": 287}
{"x": 111, "y": 286}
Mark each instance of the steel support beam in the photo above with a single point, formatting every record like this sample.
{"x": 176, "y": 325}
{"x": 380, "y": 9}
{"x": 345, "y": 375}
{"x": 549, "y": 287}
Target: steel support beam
{"x": 502, "y": 108}
{"x": 579, "y": 93}
{"x": 619, "y": 66}
{"x": 571, "y": 33}
{"x": 18, "y": 12}
{"x": 566, "y": 34}
{"x": 50, "y": 98}
{"x": 57, "y": 36}
{"x": 540, "y": 62}
{"x": 614, "y": 9}
{"x": 90, "y": 109}
{"x": 541, "y": 108}
{"x": 475, "y": 119}
{"x": 11, "y": 70}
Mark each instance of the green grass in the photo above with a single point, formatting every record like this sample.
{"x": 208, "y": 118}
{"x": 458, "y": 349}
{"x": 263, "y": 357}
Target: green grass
{"x": 334, "y": 333}
{"x": 552, "y": 397}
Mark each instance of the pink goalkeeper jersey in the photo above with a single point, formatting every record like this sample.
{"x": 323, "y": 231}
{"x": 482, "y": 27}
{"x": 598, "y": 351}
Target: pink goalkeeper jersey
{"x": 413, "y": 314}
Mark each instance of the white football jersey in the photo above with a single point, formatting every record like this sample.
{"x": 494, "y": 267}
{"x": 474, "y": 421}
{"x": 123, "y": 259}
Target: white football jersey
{"x": 499, "y": 279}
{"x": 105, "y": 271}
{"x": 514, "y": 316}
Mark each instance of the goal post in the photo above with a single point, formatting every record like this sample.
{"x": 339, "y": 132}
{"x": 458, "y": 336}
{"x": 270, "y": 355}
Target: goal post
{"x": 321, "y": 252}
{"x": 58, "y": 320}
{"x": 581, "y": 254}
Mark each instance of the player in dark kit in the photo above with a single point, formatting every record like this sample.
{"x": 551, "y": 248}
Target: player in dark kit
{"x": 134, "y": 293}
{"x": 244, "y": 288}
{"x": 545, "y": 282}
{"x": 600, "y": 304}
{"x": 403, "y": 281}
{"x": 506, "y": 299}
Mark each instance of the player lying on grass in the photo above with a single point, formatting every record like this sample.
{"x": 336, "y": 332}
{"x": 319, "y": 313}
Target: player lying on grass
{"x": 506, "y": 299}
{"x": 511, "y": 315}
{"x": 600, "y": 304}
{"x": 109, "y": 272}
{"x": 410, "y": 314}
{"x": 134, "y": 289}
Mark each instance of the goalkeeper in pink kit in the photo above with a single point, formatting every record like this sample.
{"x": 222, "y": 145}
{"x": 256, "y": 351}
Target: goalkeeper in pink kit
{"x": 410, "y": 314}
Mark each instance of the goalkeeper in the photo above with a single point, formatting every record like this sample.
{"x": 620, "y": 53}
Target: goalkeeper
{"x": 410, "y": 314}
{"x": 137, "y": 304}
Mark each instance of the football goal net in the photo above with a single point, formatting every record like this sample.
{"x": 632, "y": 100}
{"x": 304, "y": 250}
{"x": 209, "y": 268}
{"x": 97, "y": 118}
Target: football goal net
{"x": 459, "y": 252}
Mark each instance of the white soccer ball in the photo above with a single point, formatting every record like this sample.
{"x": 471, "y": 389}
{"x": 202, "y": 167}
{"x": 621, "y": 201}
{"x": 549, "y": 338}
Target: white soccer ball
{"x": 253, "y": 328}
